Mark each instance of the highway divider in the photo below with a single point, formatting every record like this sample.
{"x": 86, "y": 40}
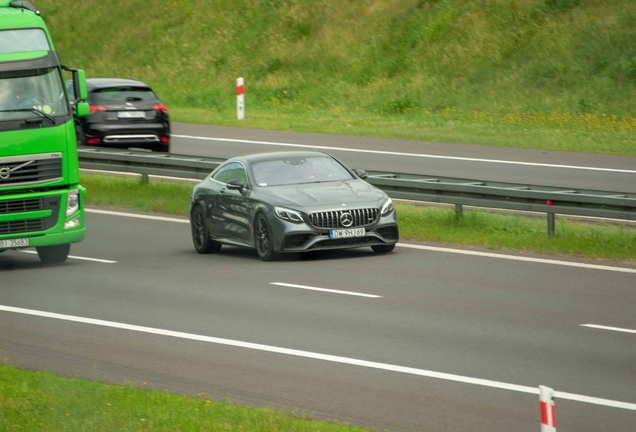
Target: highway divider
{"x": 415, "y": 187}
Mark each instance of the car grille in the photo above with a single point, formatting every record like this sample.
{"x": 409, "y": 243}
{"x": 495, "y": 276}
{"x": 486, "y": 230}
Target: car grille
{"x": 30, "y": 169}
{"x": 331, "y": 219}
{"x": 19, "y": 206}
{"x": 28, "y": 225}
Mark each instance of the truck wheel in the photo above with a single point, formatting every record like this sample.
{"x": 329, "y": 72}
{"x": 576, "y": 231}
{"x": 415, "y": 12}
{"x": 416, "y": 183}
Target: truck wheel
{"x": 53, "y": 254}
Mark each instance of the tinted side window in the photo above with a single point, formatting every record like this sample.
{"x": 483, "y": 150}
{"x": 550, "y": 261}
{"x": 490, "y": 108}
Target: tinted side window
{"x": 231, "y": 171}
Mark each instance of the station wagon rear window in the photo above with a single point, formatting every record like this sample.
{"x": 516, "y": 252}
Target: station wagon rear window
{"x": 121, "y": 95}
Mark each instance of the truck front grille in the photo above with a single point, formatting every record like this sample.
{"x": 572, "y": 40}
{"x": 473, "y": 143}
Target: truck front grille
{"x": 30, "y": 169}
{"x": 22, "y": 205}
{"x": 29, "y": 225}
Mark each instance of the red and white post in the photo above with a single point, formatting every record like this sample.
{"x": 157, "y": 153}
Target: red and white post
{"x": 546, "y": 400}
{"x": 240, "y": 100}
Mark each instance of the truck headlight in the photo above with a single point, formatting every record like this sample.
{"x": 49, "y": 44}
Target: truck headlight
{"x": 72, "y": 202}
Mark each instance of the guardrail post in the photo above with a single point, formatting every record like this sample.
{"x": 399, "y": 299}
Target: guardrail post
{"x": 144, "y": 179}
{"x": 459, "y": 211}
{"x": 551, "y": 224}
{"x": 240, "y": 99}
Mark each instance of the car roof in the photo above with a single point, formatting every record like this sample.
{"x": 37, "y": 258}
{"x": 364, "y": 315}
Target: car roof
{"x": 98, "y": 83}
{"x": 260, "y": 157}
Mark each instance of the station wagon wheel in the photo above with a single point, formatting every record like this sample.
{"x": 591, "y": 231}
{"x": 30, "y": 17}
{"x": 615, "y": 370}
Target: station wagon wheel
{"x": 200, "y": 234}
{"x": 263, "y": 239}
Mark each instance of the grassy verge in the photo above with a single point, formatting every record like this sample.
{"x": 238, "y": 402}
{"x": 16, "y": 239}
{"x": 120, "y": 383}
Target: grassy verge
{"x": 40, "y": 401}
{"x": 438, "y": 225}
{"x": 548, "y": 74}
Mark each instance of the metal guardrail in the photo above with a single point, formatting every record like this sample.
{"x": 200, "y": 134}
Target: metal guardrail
{"x": 544, "y": 199}
{"x": 162, "y": 164}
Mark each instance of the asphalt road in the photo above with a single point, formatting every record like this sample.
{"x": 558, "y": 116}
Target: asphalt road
{"x": 534, "y": 167}
{"x": 499, "y": 326}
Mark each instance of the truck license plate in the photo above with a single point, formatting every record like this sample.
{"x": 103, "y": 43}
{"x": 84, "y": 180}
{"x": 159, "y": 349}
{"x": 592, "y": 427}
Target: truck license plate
{"x": 12, "y": 243}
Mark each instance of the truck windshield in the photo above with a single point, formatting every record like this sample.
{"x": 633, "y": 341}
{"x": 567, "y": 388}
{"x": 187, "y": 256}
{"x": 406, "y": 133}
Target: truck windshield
{"x": 25, "y": 93}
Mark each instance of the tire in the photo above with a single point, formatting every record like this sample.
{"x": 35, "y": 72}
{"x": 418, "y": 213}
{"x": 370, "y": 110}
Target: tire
{"x": 79, "y": 134}
{"x": 383, "y": 248}
{"x": 53, "y": 254}
{"x": 263, "y": 239}
{"x": 200, "y": 233}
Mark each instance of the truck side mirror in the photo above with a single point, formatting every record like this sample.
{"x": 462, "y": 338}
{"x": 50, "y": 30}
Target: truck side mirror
{"x": 82, "y": 109}
{"x": 81, "y": 79}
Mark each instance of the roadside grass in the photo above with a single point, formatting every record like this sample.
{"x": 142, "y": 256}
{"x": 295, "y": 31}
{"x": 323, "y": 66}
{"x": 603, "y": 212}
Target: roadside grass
{"x": 544, "y": 74}
{"x": 421, "y": 223}
{"x": 42, "y": 401}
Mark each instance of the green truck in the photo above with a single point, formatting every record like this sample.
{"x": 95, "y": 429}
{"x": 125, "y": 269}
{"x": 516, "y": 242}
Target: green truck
{"x": 41, "y": 202}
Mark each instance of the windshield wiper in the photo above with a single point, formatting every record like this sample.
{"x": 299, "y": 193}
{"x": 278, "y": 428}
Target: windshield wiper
{"x": 33, "y": 110}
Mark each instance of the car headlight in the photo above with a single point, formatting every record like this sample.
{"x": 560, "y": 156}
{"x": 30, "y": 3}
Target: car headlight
{"x": 72, "y": 202}
{"x": 387, "y": 207}
{"x": 288, "y": 215}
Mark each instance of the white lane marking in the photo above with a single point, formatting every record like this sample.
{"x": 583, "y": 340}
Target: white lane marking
{"x": 618, "y": 329}
{"x": 318, "y": 356}
{"x": 421, "y": 247}
{"x": 381, "y": 152}
{"x": 325, "y": 290}
{"x": 519, "y": 258}
{"x": 138, "y": 216}
{"x": 75, "y": 257}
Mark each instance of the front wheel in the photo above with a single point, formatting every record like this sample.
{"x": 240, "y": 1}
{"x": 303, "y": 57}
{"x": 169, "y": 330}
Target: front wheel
{"x": 383, "y": 248}
{"x": 200, "y": 233}
{"x": 263, "y": 239}
{"x": 53, "y": 254}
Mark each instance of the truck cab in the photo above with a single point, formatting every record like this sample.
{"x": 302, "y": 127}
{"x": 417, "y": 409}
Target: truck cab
{"x": 41, "y": 201}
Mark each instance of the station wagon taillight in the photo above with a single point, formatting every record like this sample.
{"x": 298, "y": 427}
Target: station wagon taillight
{"x": 160, "y": 107}
{"x": 94, "y": 108}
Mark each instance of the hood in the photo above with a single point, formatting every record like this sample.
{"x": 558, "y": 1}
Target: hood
{"x": 353, "y": 193}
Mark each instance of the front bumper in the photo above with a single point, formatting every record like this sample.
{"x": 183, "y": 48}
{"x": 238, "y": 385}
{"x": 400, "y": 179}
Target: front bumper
{"x": 40, "y": 217}
{"x": 303, "y": 237}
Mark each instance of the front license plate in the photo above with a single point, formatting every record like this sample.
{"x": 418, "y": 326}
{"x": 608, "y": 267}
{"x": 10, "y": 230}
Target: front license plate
{"x": 344, "y": 233}
{"x": 131, "y": 114}
{"x": 11, "y": 243}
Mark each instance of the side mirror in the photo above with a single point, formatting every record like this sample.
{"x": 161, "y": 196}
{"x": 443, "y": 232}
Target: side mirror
{"x": 361, "y": 173}
{"x": 81, "y": 80}
{"x": 236, "y": 184}
{"x": 82, "y": 109}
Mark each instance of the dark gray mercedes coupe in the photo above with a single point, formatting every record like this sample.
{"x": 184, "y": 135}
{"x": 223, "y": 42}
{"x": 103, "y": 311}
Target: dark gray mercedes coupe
{"x": 290, "y": 202}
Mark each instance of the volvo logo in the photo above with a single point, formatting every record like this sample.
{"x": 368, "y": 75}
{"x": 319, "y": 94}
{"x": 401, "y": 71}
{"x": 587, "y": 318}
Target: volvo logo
{"x": 5, "y": 173}
{"x": 346, "y": 219}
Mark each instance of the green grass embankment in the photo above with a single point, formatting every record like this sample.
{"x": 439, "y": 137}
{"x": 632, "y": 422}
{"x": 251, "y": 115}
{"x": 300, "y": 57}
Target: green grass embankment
{"x": 547, "y": 74}
{"x": 437, "y": 225}
{"x": 40, "y": 401}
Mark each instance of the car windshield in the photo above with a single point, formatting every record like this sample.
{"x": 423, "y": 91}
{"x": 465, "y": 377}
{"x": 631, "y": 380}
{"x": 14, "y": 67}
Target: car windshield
{"x": 299, "y": 170}
{"x": 121, "y": 95}
{"x": 23, "y": 93}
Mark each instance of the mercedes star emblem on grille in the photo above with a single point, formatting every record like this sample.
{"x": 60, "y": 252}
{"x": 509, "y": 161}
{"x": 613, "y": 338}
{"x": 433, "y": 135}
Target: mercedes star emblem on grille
{"x": 346, "y": 220}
